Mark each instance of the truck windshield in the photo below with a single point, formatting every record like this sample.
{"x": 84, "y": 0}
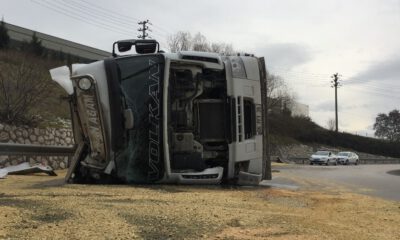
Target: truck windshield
{"x": 141, "y": 81}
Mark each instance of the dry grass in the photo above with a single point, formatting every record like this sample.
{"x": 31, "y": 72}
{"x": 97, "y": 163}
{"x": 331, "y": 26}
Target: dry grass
{"x": 42, "y": 207}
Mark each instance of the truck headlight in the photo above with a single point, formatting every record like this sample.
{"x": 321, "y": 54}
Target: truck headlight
{"x": 84, "y": 83}
{"x": 238, "y": 69}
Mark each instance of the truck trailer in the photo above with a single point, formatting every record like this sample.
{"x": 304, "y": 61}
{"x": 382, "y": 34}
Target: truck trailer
{"x": 156, "y": 117}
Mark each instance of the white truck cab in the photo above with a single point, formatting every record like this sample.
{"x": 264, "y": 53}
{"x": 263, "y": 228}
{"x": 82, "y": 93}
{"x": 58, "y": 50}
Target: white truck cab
{"x": 153, "y": 117}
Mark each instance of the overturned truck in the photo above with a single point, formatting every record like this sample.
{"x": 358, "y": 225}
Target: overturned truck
{"x": 155, "y": 117}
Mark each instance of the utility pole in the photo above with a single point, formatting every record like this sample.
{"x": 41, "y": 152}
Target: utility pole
{"x": 335, "y": 83}
{"x": 144, "y": 28}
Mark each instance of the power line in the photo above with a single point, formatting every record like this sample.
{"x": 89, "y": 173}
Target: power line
{"x": 95, "y": 18}
{"x": 79, "y": 18}
{"x": 109, "y": 11}
{"x": 377, "y": 89}
{"x": 116, "y": 15}
{"x": 98, "y": 14}
{"x": 376, "y": 93}
{"x": 380, "y": 85}
{"x": 283, "y": 69}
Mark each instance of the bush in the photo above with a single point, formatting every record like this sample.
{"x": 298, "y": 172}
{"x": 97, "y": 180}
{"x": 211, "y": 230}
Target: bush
{"x": 25, "y": 86}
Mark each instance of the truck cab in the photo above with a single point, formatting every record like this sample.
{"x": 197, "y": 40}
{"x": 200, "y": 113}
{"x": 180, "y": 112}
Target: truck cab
{"x": 186, "y": 117}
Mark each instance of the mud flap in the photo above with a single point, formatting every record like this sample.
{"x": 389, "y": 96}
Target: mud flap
{"x": 266, "y": 165}
{"x": 74, "y": 161}
{"x": 249, "y": 179}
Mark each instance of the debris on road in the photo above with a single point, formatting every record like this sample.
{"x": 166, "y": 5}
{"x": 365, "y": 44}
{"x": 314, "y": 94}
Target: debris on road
{"x": 3, "y": 173}
{"x": 25, "y": 168}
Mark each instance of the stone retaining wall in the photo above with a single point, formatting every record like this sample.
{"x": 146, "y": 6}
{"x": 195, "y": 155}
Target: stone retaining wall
{"x": 41, "y": 136}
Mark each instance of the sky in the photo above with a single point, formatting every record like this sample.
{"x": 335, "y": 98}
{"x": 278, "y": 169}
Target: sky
{"x": 305, "y": 42}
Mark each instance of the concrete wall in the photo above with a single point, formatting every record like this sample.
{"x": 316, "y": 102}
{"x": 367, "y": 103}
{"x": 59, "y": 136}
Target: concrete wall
{"x": 21, "y": 34}
{"x": 41, "y": 136}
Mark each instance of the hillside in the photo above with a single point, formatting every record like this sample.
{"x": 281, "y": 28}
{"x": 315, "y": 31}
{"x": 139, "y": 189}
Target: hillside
{"x": 286, "y": 130}
{"x": 28, "y": 96}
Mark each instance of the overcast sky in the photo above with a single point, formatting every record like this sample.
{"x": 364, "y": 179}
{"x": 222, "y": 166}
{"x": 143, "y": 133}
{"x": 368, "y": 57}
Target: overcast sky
{"x": 305, "y": 42}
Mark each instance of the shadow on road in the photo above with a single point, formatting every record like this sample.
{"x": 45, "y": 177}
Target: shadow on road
{"x": 394, "y": 172}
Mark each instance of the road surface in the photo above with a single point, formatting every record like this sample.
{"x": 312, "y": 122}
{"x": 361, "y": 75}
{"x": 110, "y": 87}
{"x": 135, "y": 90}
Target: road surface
{"x": 376, "y": 180}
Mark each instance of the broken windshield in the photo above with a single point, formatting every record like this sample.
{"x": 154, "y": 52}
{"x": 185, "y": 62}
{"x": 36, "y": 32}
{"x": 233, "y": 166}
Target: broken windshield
{"x": 141, "y": 159}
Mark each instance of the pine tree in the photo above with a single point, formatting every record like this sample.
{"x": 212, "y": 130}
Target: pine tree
{"x": 4, "y": 38}
{"x": 35, "y": 45}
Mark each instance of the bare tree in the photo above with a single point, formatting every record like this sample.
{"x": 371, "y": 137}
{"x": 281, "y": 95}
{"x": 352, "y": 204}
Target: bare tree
{"x": 183, "y": 41}
{"x": 222, "y": 48}
{"x": 278, "y": 93}
{"x": 200, "y": 43}
{"x": 24, "y": 82}
{"x": 180, "y": 41}
{"x": 331, "y": 124}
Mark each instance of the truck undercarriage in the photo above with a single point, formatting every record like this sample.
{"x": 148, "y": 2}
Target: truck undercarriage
{"x": 179, "y": 118}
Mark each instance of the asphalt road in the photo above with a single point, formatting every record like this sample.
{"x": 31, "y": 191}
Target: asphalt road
{"x": 376, "y": 180}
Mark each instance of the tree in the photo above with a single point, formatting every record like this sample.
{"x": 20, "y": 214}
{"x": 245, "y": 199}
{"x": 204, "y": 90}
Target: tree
{"x": 387, "y": 126}
{"x": 279, "y": 96}
{"x": 180, "y": 41}
{"x": 35, "y": 45}
{"x": 4, "y": 38}
{"x": 222, "y": 48}
{"x": 24, "y": 83}
{"x": 183, "y": 41}
{"x": 200, "y": 43}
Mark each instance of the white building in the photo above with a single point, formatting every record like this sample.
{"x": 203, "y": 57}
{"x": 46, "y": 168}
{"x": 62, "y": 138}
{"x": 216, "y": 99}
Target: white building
{"x": 299, "y": 109}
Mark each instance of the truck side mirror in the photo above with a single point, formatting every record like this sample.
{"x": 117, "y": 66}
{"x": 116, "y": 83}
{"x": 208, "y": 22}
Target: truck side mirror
{"x": 143, "y": 48}
{"x": 128, "y": 116}
{"x": 124, "y": 46}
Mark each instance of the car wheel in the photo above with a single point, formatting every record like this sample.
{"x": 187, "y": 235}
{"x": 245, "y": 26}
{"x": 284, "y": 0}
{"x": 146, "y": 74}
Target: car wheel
{"x": 347, "y": 162}
{"x": 311, "y": 163}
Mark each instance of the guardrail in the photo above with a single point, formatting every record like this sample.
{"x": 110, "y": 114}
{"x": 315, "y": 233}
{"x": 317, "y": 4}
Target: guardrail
{"x": 35, "y": 150}
{"x": 304, "y": 160}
